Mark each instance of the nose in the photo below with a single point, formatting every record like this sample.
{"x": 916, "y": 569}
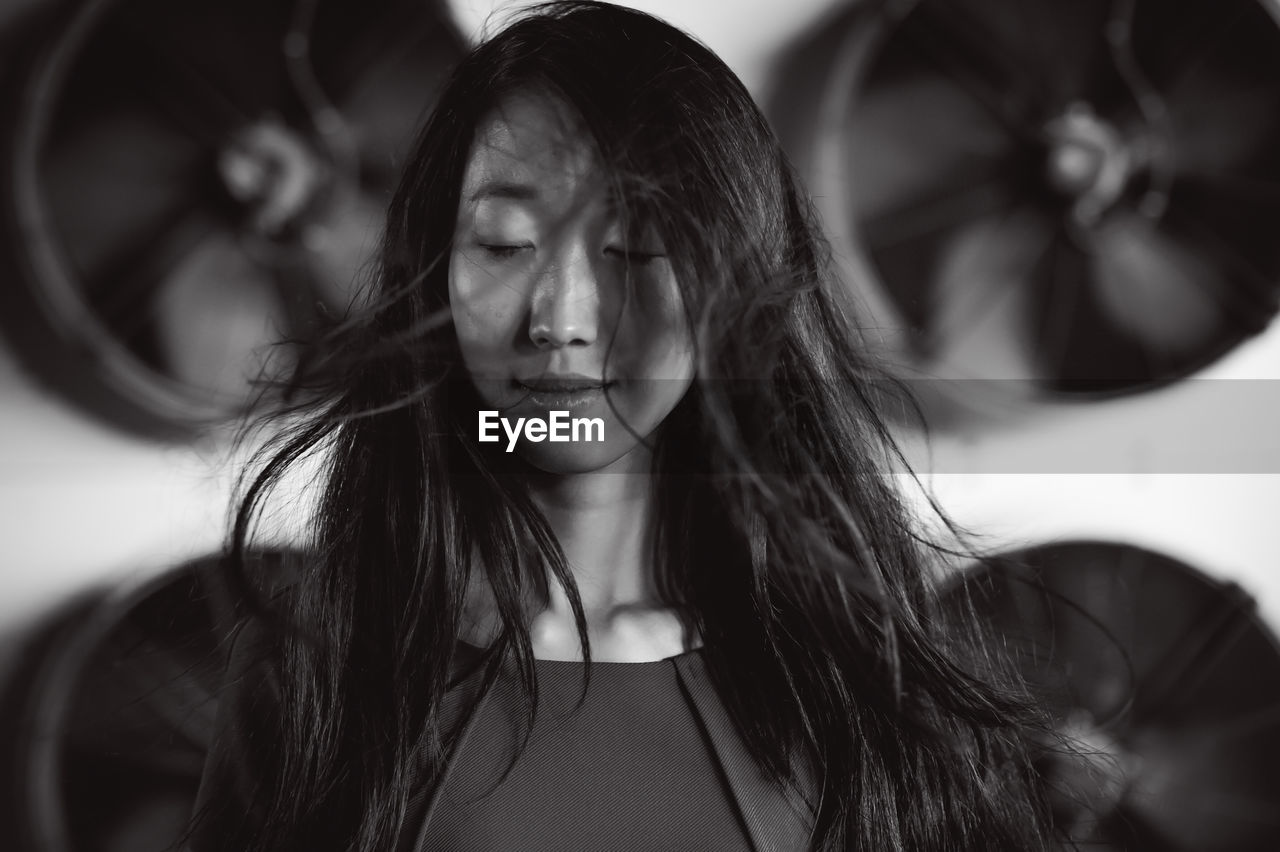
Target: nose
{"x": 565, "y": 310}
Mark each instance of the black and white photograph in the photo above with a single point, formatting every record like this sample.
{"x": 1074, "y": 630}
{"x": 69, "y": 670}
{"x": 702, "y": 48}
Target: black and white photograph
{"x": 657, "y": 426}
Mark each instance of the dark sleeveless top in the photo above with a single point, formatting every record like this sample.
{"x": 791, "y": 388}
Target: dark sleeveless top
{"x": 629, "y": 768}
{"x": 650, "y": 761}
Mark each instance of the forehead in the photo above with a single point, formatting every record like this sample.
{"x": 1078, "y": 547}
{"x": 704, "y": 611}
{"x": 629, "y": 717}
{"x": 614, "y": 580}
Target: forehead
{"x": 530, "y": 146}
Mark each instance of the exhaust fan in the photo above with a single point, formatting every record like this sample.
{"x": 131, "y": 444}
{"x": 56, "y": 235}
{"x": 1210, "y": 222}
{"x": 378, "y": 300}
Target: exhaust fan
{"x": 1166, "y": 683}
{"x": 1071, "y": 199}
{"x": 190, "y": 183}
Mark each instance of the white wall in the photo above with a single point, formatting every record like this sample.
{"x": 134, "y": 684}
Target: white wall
{"x": 80, "y": 503}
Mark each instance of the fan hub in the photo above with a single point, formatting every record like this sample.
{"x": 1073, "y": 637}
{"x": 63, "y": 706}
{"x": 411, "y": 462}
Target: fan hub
{"x": 1089, "y": 161}
{"x": 1099, "y": 770}
{"x": 275, "y": 173}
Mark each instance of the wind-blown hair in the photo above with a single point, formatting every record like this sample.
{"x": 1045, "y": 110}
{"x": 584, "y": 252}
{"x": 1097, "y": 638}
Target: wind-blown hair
{"x": 781, "y": 537}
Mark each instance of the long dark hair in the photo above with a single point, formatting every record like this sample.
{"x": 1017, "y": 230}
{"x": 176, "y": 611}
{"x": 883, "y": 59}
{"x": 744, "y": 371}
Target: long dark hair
{"x": 782, "y": 537}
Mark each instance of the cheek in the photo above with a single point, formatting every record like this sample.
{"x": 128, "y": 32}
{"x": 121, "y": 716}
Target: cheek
{"x": 655, "y": 335}
{"x": 655, "y": 332}
{"x": 486, "y": 310}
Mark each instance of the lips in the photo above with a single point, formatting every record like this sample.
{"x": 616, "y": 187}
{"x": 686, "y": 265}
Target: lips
{"x": 561, "y": 384}
{"x": 562, "y": 392}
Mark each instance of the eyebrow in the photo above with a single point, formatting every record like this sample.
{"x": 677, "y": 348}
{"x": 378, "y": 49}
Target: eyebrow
{"x": 504, "y": 189}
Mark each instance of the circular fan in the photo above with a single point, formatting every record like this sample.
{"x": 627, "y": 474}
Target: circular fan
{"x": 112, "y": 712}
{"x": 115, "y": 715}
{"x": 191, "y": 183}
{"x": 1076, "y": 199}
{"x": 1168, "y": 683}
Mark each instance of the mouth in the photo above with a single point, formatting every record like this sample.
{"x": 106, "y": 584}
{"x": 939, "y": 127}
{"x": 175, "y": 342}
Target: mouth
{"x": 562, "y": 391}
{"x": 568, "y": 383}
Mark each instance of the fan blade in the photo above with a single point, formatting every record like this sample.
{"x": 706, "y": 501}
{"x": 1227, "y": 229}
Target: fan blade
{"x": 1196, "y": 765}
{"x": 116, "y": 180}
{"x": 1219, "y": 123}
{"x": 122, "y": 293}
{"x": 1184, "y": 666}
{"x": 1208, "y": 797}
{"x": 1076, "y": 350}
{"x": 1057, "y": 44}
{"x": 1218, "y": 76}
{"x": 216, "y": 318}
{"x": 1172, "y": 40}
{"x": 349, "y": 40}
{"x": 1130, "y": 829}
{"x": 936, "y": 211}
{"x": 383, "y": 110}
{"x": 191, "y": 42}
{"x": 1229, "y": 221}
{"x": 981, "y": 297}
{"x": 380, "y": 64}
{"x": 975, "y": 58}
{"x": 152, "y": 68}
{"x": 1154, "y": 287}
{"x": 1095, "y": 626}
{"x": 915, "y": 135}
{"x": 341, "y": 249}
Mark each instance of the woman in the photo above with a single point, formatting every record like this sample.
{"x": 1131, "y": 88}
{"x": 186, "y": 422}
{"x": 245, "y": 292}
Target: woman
{"x": 711, "y": 628}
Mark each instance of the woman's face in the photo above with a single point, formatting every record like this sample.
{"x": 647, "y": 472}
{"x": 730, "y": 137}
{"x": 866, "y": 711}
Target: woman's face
{"x": 556, "y": 308}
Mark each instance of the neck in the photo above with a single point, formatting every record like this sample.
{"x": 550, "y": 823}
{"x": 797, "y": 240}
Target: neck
{"x": 605, "y": 522}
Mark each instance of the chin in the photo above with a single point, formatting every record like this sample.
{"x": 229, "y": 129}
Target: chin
{"x": 568, "y": 459}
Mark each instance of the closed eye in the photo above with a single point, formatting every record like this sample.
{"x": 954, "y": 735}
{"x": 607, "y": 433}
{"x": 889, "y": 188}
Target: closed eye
{"x": 633, "y": 256}
{"x": 502, "y": 251}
